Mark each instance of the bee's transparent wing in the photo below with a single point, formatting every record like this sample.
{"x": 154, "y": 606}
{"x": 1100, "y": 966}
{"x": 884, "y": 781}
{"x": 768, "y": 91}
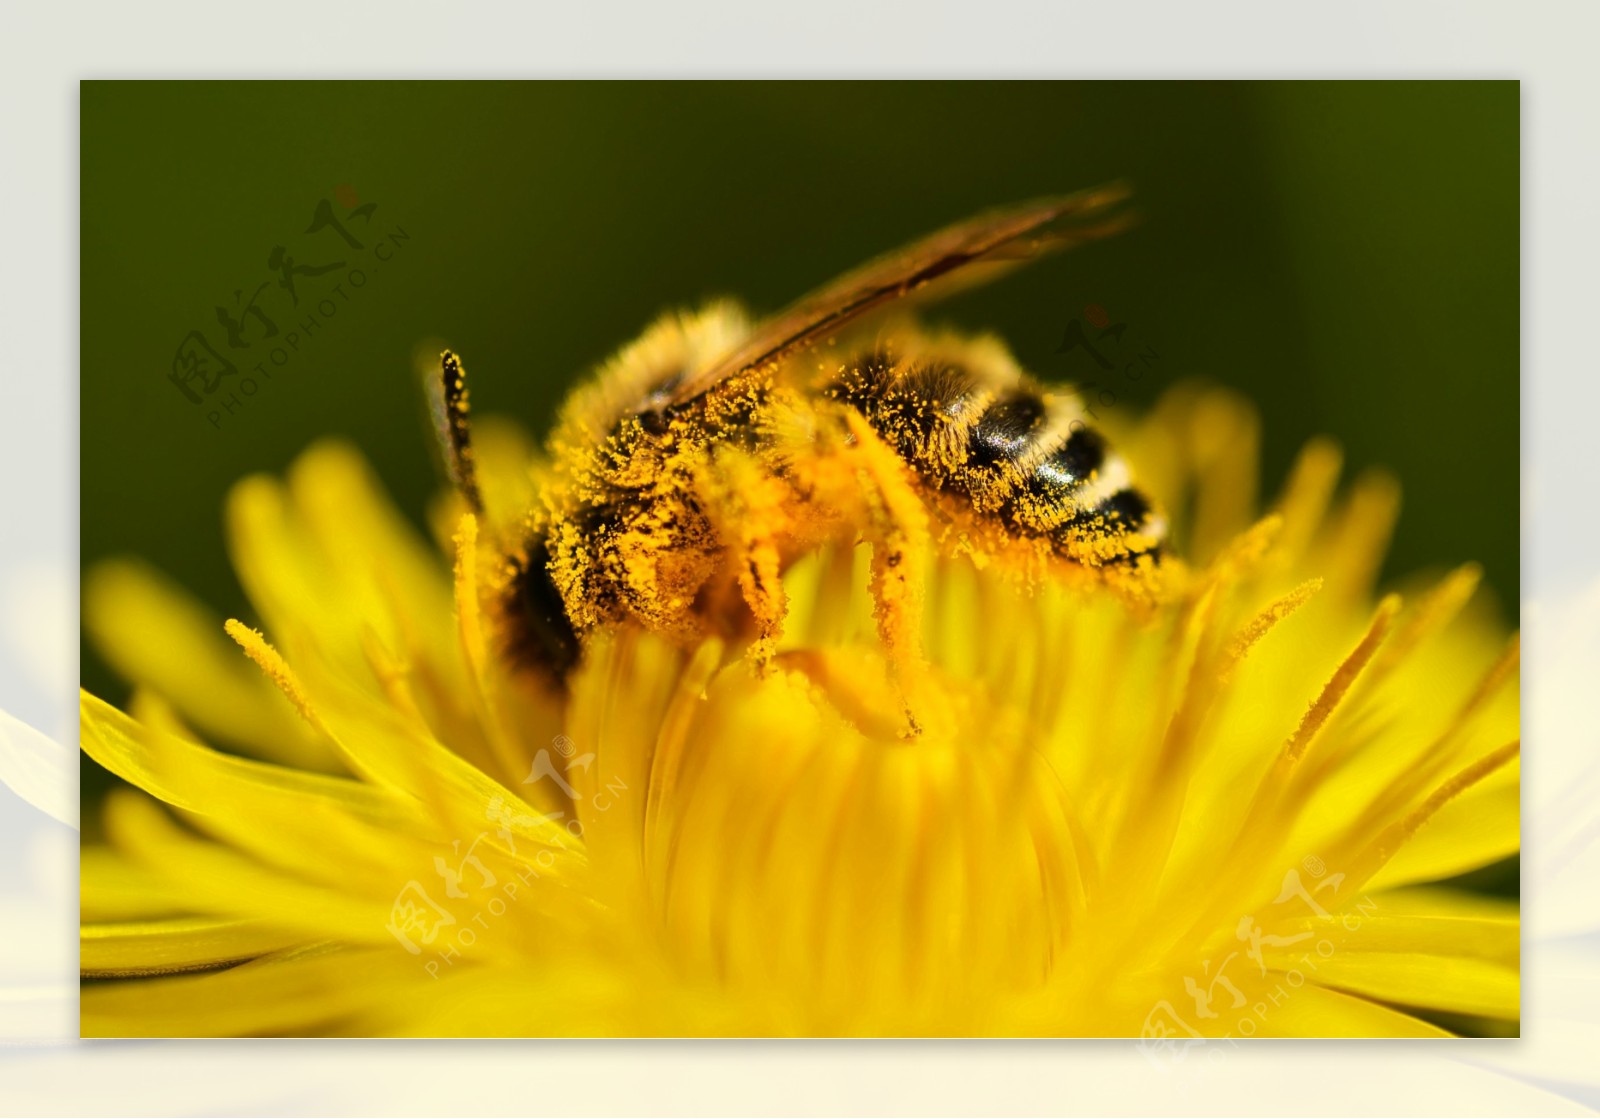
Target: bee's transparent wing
{"x": 998, "y": 240}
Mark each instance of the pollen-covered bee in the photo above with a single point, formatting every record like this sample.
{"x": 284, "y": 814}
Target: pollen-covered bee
{"x": 710, "y": 453}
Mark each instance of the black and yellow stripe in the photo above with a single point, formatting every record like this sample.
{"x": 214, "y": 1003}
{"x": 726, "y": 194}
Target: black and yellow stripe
{"x": 1018, "y": 453}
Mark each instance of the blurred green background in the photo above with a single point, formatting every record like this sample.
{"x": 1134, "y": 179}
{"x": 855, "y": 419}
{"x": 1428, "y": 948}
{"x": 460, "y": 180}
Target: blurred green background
{"x": 1344, "y": 253}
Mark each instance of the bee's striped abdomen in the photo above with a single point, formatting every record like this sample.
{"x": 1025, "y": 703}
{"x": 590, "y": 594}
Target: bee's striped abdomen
{"x": 1005, "y": 429}
{"x": 1015, "y": 452}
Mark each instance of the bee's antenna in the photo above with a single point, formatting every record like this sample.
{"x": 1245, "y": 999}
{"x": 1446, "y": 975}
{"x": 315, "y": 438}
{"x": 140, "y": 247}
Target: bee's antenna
{"x": 458, "y": 429}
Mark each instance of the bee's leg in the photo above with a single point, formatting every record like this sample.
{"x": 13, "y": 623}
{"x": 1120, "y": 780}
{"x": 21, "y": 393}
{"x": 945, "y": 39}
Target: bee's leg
{"x": 753, "y": 518}
{"x": 896, "y": 522}
{"x": 761, "y": 582}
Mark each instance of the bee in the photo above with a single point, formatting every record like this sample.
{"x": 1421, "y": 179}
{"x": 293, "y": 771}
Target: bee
{"x": 703, "y": 459}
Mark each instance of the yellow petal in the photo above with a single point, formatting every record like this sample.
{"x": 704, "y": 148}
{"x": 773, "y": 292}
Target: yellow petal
{"x": 193, "y": 777}
{"x": 1443, "y": 922}
{"x": 504, "y": 453}
{"x": 1312, "y": 1011}
{"x": 298, "y": 992}
{"x": 175, "y": 944}
{"x": 158, "y": 637}
{"x": 387, "y": 576}
{"x": 220, "y": 881}
{"x": 1427, "y": 981}
{"x": 1437, "y": 949}
{"x": 1481, "y": 827}
{"x": 1418, "y": 920}
{"x": 111, "y": 887}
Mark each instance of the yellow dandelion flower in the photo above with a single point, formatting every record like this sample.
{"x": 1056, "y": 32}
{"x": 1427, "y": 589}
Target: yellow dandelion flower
{"x": 1219, "y": 820}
